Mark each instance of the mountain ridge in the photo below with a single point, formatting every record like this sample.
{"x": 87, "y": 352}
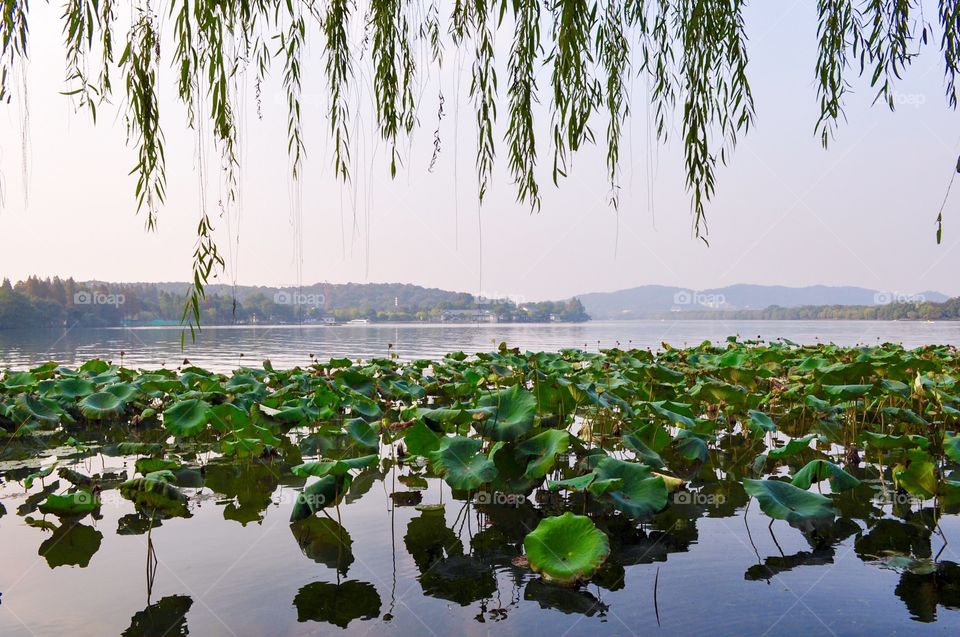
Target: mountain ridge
{"x": 650, "y": 300}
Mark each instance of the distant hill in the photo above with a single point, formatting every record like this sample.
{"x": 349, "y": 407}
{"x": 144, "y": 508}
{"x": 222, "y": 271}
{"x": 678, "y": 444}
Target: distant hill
{"x": 56, "y": 302}
{"x": 654, "y": 300}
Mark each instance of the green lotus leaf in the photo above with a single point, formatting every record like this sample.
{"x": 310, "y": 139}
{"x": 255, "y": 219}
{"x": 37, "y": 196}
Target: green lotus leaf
{"x": 691, "y": 446}
{"x": 635, "y": 443}
{"x": 101, "y": 405}
{"x": 783, "y": 501}
{"x": 818, "y": 470}
{"x": 761, "y": 423}
{"x": 361, "y": 432}
{"x": 510, "y": 413}
{"x": 149, "y": 465}
{"x": 75, "y": 478}
{"x": 951, "y": 446}
{"x": 73, "y": 387}
{"x": 78, "y": 503}
{"x": 123, "y": 391}
{"x": 792, "y": 448}
{"x": 889, "y": 441}
{"x": 543, "y": 448}
{"x": 640, "y": 494}
{"x": 579, "y": 483}
{"x": 228, "y": 417}
{"x": 918, "y": 476}
{"x": 19, "y": 380}
{"x": 441, "y": 416}
{"x": 243, "y": 447}
{"x": 39, "y": 409}
{"x": 139, "y": 448}
{"x": 37, "y": 475}
{"x": 420, "y": 440}
{"x": 187, "y": 417}
{"x": 462, "y": 464}
{"x": 154, "y": 494}
{"x": 566, "y": 549}
{"x": 902, "y": 414}
{"x": 327, "y": 491}
{"x": 846, "y": 392}
{"x": 653, "y": 435}
{"x": 321, "y": 468}
{"x": 677, "y": 413}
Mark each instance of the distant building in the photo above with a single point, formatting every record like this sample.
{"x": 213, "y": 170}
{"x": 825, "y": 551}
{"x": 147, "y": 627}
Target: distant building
{"x": 473, "y": 315}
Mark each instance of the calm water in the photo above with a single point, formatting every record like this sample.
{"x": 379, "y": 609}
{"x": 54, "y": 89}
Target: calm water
{"x": 237, "y": 567}
{"x": 219, "y": 348}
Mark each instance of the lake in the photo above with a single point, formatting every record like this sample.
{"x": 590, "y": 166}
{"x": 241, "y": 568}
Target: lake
{"x": 381, "y": 564}
{"x": 219, "y": 348}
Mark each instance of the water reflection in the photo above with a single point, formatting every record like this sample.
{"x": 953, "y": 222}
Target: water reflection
{"x": 924, "y": 592}
{"x": 324, "y": 541}
{"x": 337, "y": 603}
{"x": 466, "y": 554}
{"x": 165, "y": 618}
{"x": 71, "y": 544}
{"x": 565, "y": 600}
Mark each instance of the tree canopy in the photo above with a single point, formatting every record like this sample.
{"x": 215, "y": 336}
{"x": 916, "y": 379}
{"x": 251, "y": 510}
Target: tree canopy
{"x": 692, "y": 52}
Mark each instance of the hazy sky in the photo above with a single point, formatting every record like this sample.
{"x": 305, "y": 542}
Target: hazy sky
{"x": 786, "y": 211}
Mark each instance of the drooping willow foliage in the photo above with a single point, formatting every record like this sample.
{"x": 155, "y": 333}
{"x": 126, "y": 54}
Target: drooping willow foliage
{"x": 692, "y": 54}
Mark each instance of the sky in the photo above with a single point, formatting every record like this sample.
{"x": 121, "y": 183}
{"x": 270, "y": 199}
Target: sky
{"x": 786, "y": 211}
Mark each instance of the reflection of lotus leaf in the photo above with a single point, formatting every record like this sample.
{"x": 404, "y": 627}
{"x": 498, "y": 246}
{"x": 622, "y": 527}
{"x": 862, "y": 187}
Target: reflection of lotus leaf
{"x": 774, "y": 565}
{"x": 249, "y": 483}
{"x": 922, "y": 593}
{"x": 324, "y": 541}
{"x": 429, "y": 540}
{"x": 168, "y": 617}
{"x": 460, "y": 579}
{"x": 73, "y": 544}
{"x": 893, "y": 537}
{"x": 136, "y": 524}
{"x": 337, "y": 604}
{"x": 566, "y": 600}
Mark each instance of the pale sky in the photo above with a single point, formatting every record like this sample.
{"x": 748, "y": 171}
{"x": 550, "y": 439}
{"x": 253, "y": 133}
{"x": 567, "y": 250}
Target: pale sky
{"x": 786, "y": 211}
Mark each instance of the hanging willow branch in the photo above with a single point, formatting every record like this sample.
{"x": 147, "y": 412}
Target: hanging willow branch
{"x": 692, "y": 54}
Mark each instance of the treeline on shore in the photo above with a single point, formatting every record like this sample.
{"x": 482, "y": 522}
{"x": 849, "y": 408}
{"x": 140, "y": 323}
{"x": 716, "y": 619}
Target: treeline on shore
{"x": 920, "y": 311}
{"x": 55, "y": 302}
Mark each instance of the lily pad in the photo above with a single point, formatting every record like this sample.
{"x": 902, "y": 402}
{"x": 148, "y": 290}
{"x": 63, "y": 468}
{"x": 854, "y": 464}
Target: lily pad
{"x": 783, "y": 501}
{"x": 100, "y": 406}
{"x": 509, "y": 414}
{"x": 187, "y": 417}
{"x": 566, "y": 549}
{"x": 818, "y": 470}
{"x": 462, "y": 465}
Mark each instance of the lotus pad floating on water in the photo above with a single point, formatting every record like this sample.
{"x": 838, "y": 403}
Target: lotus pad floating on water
{"x": 566, "y": 549}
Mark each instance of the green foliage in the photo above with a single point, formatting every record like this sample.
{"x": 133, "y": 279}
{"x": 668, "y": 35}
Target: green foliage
{"x": 566, "y": 549}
